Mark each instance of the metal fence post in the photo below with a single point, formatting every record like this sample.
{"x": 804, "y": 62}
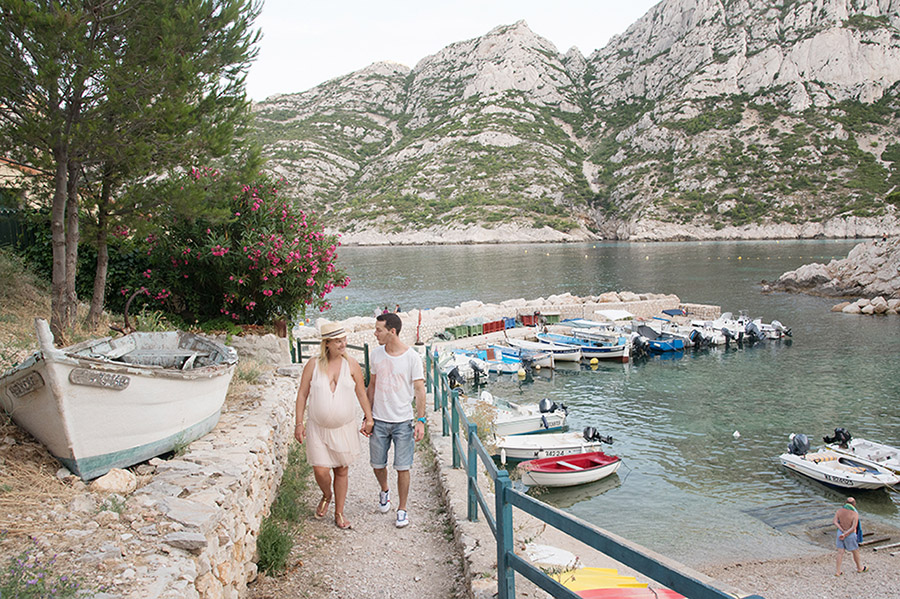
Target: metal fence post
{"x": 366, "y": 360}
{"x": 446, "y": 425}
{"x": 506, "y": 577}
{"x": 300, "y": 353}
{"x": 472, "y": 472}
{"x": 454, "y": 426}
{"x": 428, "y": 378}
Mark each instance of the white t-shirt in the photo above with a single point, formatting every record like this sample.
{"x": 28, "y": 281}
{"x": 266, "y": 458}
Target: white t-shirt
{"x": 394, "y": 391}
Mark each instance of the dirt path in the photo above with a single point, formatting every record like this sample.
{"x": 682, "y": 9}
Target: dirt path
{"x": 374, "y": 560}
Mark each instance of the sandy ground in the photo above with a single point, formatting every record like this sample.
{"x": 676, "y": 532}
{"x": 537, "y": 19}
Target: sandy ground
{"x": 375, "y": 559}
{"x": 814, "y": 578}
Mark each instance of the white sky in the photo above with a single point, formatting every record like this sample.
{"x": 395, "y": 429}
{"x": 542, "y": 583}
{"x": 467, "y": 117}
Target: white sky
{"x": 307, "y": 42}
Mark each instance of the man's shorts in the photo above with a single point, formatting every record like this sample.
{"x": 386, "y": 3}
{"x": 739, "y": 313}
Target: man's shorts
{"x": 850, "y": 542}
{"x": 401, "y": 433}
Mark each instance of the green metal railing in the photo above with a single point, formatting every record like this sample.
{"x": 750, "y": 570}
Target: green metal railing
{"x": 468, "y": 451}
{"x": 297, "y": 354}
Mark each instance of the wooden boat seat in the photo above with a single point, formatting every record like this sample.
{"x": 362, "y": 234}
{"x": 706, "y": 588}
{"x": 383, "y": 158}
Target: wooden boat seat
{"x": 568, "y": 465}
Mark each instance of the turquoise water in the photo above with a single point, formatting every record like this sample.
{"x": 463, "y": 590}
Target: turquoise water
{"x": 688, "y": 488}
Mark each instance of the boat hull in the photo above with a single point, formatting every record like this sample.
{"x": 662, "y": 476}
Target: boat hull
{"x": 578, "y": 469}
{"x": 838, "y": 470}
{"x": 886, "y": 456}
{"x": 94, "y": 414}
{"x": 529, "y": 424}
{"x": 559, "y": 352}
{"x": 528, "y": 447}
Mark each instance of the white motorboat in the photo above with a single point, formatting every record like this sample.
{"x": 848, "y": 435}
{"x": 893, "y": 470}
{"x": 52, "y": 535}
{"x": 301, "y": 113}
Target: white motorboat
{"x": 836, "y": 469}
{"x": 884, "y": 455}
{"x": 510, "y": 418}
{"x": 560, "y": 353}
{"x": 603, "y": 349}
{"x": 529, "y": 447}
{"x": 569, "y": 470}
{"x": 107, "y": 403}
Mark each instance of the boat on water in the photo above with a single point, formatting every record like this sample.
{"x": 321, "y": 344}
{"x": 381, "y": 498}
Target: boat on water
{"x": 835, "y": 469}
{"x": 618, "y": 348}
{"x": 528, "y": 357}
{"x": 114, "y": 402}
{"x": 655, "y": 341}
{"x": 498, "y": 364}
{"x": 511, "y": 418}
{"x": 560, "y": 353}
{"x": 884, "y": 455}
{"x": 529, "y": 447}
{"x": 569, "y": 470}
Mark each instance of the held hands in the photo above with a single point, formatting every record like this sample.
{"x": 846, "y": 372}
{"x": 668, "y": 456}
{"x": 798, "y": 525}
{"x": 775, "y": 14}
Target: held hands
{"x": 367, "y": 425}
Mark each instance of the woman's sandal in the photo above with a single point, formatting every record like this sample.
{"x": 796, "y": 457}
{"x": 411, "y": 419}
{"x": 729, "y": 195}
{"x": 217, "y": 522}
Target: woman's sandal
{"x": 322, "y": 508}
{"x": 341, "y": 522}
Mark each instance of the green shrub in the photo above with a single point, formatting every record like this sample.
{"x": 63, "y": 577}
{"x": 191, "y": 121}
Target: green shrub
{"x": 274, "y": 545}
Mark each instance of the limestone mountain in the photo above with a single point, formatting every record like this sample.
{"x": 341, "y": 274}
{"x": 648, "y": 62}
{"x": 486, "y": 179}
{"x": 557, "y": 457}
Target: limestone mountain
{"x": 728, "y": 118}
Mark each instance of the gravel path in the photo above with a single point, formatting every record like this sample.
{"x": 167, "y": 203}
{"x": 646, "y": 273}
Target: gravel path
{"x": 374, "y": 560}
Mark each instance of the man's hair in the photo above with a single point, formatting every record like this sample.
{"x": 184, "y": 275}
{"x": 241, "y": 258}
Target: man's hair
{"x": 391, "y": 321}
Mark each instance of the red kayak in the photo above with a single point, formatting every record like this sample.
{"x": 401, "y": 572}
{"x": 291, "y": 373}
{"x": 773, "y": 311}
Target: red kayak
{"x": 569, "y": 470}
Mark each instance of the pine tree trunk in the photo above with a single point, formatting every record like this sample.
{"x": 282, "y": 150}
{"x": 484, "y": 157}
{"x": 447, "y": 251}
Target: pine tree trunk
{"x": 99, "y": 297}
{"x": 72, "y": 235}
{"x": 58, "y": 242}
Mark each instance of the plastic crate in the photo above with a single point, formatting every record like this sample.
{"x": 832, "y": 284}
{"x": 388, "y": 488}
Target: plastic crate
{"x": 475, "y": 329}
{"x": 509, "y": 323}
{"x": 529, "y": 320}
{"x": 551, "y": 317}
{"x": 493, "y": 327}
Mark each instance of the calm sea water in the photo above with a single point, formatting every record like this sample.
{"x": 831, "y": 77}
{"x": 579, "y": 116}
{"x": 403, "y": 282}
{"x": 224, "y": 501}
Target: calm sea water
{"x": 687, "y": 488}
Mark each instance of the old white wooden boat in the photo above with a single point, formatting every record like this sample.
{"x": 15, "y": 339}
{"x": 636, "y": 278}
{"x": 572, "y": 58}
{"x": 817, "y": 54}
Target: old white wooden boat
{"x": 107, "y": 403}
{"x": 569, "y": 470}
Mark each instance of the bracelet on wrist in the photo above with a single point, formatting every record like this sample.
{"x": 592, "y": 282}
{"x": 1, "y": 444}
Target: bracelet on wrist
{"x": 422, "y": 420}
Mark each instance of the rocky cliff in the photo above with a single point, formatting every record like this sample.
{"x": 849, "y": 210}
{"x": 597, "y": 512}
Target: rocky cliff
{"x": 870, "y": 270}
{"x": 705, "y": 119}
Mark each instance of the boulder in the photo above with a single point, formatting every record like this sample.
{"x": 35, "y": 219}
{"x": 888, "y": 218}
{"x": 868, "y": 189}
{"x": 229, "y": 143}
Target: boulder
{"x": 839, "y": 307}
{"x": 868, "y": 309}
{"x": 851, "y": 309}
{"x": 116, "y": 480}
{"x": 609, "y": 296}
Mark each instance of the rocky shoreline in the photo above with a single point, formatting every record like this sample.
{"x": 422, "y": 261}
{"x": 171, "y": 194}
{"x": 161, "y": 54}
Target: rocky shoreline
{"x": 871, "y": 271}
{"x": 510, "y": 232}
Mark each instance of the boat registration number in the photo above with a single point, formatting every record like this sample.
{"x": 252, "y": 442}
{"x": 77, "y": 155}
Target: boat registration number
{"x": 92, "y": 378}
{"x": 838, "y": 479}
{"x": 26, "y": 385}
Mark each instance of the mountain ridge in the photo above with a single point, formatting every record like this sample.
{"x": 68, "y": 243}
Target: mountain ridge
{"x": 704, "y": 119}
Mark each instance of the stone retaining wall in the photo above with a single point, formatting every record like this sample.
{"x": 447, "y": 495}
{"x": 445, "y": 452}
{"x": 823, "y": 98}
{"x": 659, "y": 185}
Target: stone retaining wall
{"x": 202, "y": 511}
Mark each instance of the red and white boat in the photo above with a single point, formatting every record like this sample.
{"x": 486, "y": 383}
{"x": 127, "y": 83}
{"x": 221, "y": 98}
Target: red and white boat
{"x": 569, "y": 470}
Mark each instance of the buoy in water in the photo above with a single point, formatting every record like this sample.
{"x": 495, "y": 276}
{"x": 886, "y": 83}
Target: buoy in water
{"x": 521, "y": 373}
{"x": 594, "y": 361}
{"x": 736, "y": 435}
{"x": 537, "y": 366}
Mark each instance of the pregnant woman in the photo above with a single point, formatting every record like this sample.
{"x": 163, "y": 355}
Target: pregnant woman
{"x": 330, "y": 388}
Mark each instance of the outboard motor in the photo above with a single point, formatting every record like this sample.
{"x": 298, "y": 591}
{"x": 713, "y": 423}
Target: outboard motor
{"x": 799, "y": 445}
{"x": 591, "y": 434}
{"x": 786, "y": 332}
{"x": 455, "y": 378}
{"x": 547, "y": 406}
{"x": 753, "y": 332}
{"x": 477, "y": 370}
{"x": 728, "y": 335}
{"x": 841, "y": 436}
{"x": 697, "y": 339}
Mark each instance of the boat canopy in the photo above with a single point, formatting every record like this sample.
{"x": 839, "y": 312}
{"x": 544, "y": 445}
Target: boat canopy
{"x": 614, "y": 315}
{"x": 675, "y": 312}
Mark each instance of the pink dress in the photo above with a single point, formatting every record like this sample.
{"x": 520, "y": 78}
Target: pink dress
{"x": 332, "y": 427}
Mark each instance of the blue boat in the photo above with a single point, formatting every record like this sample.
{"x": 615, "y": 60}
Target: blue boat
{"x": 657, "y": 342}
{"x": 602, "y": 349}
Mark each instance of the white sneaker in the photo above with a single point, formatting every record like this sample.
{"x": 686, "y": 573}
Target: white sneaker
{"x": 402, "y": 519}
{"x": 384, "y": 501}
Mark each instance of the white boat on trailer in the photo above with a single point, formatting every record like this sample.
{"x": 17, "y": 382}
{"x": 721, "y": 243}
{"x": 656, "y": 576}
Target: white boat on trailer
{"x": 836, "y": 469}
{"x": 115, "y": 402}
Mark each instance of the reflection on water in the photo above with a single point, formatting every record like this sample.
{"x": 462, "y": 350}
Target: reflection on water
{"x": 673, "y": 418}
{"x": 566, "y": 497}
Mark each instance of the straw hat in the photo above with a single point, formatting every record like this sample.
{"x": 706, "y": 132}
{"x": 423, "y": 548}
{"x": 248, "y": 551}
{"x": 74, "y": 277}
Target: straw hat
{"x": 332, "y": 330}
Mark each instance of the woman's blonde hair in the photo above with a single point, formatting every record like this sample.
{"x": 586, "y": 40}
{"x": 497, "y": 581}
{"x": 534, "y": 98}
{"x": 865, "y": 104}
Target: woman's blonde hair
{"x": 323, "y": 353}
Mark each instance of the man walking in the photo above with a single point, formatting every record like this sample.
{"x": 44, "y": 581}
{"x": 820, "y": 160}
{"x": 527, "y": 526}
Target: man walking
{"x": 847, "y": 520}
{"x": 397, "y": 377}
